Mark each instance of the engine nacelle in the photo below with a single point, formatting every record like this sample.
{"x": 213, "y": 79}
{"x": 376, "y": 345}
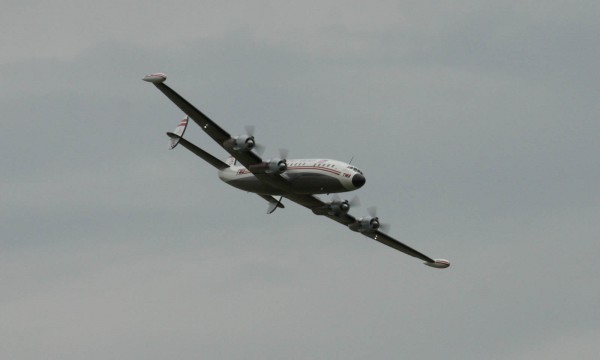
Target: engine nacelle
{"x": 276, "y": 166}
{"x": 241, "y": 143}
{"x": 366, "y": 223}
{"x": 338, "y": 207}
{"x": 272, "y": 166}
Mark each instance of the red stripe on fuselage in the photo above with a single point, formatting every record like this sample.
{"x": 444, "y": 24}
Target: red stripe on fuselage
{"x": 244, "y": 171}
{"x": 314, "y": 168}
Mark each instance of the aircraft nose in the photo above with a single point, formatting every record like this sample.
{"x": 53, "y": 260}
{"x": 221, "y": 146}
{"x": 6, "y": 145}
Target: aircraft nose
{"x": 358, "y": 180}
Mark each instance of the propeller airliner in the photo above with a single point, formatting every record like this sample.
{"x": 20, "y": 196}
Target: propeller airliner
{"x": 297, "y": 180}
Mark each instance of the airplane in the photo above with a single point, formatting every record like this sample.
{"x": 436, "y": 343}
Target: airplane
{"x": 297, "y": 180}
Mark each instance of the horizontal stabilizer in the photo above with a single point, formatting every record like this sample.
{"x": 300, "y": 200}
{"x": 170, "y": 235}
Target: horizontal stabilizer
{"x": 201, "y": 153}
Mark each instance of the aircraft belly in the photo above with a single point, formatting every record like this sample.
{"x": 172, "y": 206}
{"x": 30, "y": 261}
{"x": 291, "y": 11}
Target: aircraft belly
{"x": 313, "y": 183}
{"x": 310, "y": 183}
{"x": 252, "y": 184}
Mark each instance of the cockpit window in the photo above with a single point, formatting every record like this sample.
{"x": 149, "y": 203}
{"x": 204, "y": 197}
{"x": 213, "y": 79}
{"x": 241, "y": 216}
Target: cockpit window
{"x": 355, "y": 169}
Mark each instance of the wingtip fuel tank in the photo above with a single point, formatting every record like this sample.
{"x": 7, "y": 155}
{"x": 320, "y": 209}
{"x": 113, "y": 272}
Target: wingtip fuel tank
{"x": 155, "y": 78}
{"x": 438, "y": 263}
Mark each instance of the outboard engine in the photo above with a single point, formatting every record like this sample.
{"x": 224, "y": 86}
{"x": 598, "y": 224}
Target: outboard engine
{"x": 240, "y": 143}
{"x": 365, "y": 224}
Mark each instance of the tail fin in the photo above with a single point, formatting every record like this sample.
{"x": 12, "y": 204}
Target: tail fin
{"x": 179, "y": 131}
{"x": 230, "y": 161}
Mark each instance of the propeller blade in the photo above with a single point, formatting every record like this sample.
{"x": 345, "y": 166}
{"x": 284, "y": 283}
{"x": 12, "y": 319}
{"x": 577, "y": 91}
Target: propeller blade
{"x": 283, "y": 153}
{"x": 355, "y": 201}
{"x": 384, "y": 227}
{"x": 260, "y": 149}
{"x": 372, "y": 210}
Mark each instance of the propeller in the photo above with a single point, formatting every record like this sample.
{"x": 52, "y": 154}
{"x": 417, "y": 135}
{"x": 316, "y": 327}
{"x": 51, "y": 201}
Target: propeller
{"x": 372, "y": 210}
{"x": 383, "y": 227}
{"x": 249, "y": 129}
{"x": 283, "y": 153}
{"x": 354, "y": 202}
{"x": 343, "y": 205}
{"x": 260, "y": 149}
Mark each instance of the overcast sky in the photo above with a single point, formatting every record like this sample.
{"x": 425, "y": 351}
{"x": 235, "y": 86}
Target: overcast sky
{"x": 476, "y": 124}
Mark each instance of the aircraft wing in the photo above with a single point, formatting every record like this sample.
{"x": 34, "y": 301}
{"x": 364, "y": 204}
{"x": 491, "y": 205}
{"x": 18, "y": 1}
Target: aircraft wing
{"x": 312, "y": 202}
{"x": 246, "y": 158}
{"x": 393, "y": 243}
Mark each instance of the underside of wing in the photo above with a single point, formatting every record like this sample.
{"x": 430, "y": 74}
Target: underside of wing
{"x": 393, "y": 243}
{"x": 319, "y": 207}
{"x": 209, "y": 126}
{"x": 222, "y": 137}
{"x": 313, "y": 203}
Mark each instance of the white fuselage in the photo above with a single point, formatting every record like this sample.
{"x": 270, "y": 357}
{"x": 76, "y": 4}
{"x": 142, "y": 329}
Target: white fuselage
{"x": 305, "y": 176}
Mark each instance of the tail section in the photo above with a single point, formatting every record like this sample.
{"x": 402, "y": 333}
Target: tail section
{"x": 179, "y": 131}
{"x": 230, "y": 161}
{"x": 176, "y": 138}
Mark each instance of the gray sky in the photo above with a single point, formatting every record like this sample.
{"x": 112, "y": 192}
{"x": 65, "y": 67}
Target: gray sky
{"x": 476, "y": 125}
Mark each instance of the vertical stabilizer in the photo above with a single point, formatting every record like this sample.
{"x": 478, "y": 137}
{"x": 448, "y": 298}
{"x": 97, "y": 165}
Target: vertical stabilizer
{"x": 179, "y": 131}
{"x": 230, "y": 161}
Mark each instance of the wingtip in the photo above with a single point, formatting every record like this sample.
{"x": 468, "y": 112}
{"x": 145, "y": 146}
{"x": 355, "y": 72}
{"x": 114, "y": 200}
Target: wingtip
{"x": 155, "y": 78}
{"x": 438, "y": 263}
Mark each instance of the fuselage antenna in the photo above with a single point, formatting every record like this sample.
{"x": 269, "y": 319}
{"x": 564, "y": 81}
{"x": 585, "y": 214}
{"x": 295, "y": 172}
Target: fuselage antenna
{"x": 351, "y": 160}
